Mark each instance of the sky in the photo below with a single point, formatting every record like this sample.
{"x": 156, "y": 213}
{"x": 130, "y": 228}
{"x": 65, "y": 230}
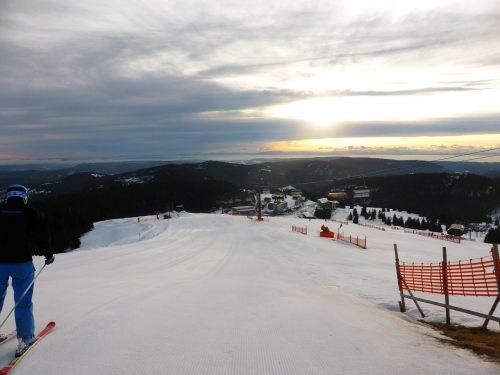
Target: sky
{"x": 161, "y": 79}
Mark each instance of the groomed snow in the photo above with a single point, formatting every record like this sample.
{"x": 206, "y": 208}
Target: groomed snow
{"x": 217, "y": 294}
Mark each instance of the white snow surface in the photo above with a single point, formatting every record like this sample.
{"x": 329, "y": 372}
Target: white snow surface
{"x": 220, "y": 294}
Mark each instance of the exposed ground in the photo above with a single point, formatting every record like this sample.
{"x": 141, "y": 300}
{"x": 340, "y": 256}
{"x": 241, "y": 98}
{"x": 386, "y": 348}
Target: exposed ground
{"x": 480, "y": 341}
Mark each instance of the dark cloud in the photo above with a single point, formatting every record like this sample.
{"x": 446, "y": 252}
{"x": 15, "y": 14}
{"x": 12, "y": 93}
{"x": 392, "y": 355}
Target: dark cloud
{"x": 142, "y": 80}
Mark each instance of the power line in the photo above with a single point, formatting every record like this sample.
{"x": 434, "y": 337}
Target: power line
{"x": 415, "y": 166}
{"x": 419, "y": 164}
{"x": 483, "y": 157}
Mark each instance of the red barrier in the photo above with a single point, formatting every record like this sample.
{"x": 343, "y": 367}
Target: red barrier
{"x": 475, "y": 277}
{"x": 435, "y": 235}
{"x": 327, "y": 234}
{"x": 256, "y": 218}
{"x": 354, "y": 240}
{"x": 373, "y": 227}
{"x": 464, "y": 278}
{"x": 340, "y": 221}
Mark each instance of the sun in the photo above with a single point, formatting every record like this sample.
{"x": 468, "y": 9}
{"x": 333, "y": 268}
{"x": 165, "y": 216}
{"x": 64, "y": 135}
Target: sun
{"x": 328, "y": 111}
{"x": 317, "y": 112}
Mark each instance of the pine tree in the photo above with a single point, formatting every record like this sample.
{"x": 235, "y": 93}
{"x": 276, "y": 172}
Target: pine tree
{"x": 401, "y": 222}
{"x": 350, "y": 216}
{"x": 493, "y": 236}
{"x": 408, "y": 223}
{"x": 418, "y": 224}
{"x": 423, "y": 224}
{"x": 363, "y": 212}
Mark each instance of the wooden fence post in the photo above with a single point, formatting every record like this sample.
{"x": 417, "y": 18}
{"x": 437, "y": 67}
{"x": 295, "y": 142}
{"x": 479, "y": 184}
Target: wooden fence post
{"x": 402, "y": 306}
{"x": 445, "y": 285}
{"x": 496, "y": 266}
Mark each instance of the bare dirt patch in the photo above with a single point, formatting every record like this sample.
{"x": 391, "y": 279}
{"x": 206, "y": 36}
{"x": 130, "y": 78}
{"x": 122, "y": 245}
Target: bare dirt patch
{"x": 483, "y": 342}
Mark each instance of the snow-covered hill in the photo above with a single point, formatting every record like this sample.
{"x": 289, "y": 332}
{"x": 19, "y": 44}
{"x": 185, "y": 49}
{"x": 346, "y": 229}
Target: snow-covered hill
{"x": 218, "y": 294}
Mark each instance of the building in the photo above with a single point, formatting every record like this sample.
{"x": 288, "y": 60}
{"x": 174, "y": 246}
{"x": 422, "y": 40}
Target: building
{"x": 337, "y": 195}
{"x": 323, "y": 209}
{"x": 456, "y": 229}
{"x": 275, "y": 208}
{"x": 361, "y": 192}
{"x": 243, "y": 210}
{"x": 325, "y": 203}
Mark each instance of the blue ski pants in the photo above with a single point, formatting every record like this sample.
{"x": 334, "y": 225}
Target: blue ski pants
{"x": 22, "y": 275}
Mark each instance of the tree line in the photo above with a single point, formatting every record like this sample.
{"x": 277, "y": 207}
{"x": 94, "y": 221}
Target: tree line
{"x": 71, "y": 215}
{"x": 394, "y": 220}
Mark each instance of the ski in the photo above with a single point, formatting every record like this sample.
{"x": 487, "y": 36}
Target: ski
{"x": 7, "y": 337}
{"x": 10, "y": 366}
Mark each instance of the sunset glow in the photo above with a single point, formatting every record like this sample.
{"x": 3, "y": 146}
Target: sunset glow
{"x": 443, "y": 144}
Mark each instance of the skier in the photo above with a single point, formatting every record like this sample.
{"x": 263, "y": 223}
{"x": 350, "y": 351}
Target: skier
{"x": 23, "y": 233}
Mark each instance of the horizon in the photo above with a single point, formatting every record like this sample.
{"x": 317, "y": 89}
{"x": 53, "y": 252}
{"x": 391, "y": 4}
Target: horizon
{"x": 249, "y": 159}
{"x": 156, "y": 79}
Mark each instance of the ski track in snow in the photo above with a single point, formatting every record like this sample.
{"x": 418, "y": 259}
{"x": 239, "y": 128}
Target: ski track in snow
{"x": 215, "y": 294}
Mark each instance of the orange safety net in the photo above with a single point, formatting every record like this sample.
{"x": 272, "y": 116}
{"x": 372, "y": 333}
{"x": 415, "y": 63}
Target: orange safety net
{"x": 351, "y": 239}
{"x": 475, "y": 277}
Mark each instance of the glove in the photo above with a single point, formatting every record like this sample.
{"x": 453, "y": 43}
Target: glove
{"x": 49, "y": 260}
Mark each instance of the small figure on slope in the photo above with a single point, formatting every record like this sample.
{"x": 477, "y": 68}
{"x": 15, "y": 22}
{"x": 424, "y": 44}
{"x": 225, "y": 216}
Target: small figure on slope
{"x": 23, "y": 233}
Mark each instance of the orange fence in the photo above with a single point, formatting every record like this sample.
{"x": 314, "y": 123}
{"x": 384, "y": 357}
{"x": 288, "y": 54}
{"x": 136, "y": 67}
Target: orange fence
{"x": 351, "y": 239}
{"x": 435, "y": 235}
{"x": 302, "y": 230}
{"x": 340, "y": 221}
{"x": 474, "y": 277}
{"x": 373, "y": 227}
{"x": 257, "y": 218}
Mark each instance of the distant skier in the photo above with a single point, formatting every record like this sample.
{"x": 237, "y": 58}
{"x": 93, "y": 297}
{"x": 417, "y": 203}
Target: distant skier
{"x": 23, "y": 233}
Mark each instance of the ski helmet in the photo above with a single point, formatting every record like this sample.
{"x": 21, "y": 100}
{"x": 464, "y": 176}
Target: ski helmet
{"x": 17, "y": 192}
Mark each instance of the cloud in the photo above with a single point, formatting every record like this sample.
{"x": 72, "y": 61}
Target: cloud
{"x": 142, "y": 77}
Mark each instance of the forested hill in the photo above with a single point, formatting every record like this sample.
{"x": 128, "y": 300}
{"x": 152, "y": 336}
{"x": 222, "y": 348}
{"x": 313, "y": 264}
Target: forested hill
{"x": 73, "y": 203}
{"x": 450, "y": 198}
{"x": 54, "y": 182}
{"x": 273, "y": 173}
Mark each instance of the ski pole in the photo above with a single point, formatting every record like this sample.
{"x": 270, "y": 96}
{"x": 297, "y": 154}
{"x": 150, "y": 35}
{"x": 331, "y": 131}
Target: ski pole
{"x": 22, "y": 296}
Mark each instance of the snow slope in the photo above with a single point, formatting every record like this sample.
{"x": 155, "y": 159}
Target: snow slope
{"x": 218, "y": 294}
